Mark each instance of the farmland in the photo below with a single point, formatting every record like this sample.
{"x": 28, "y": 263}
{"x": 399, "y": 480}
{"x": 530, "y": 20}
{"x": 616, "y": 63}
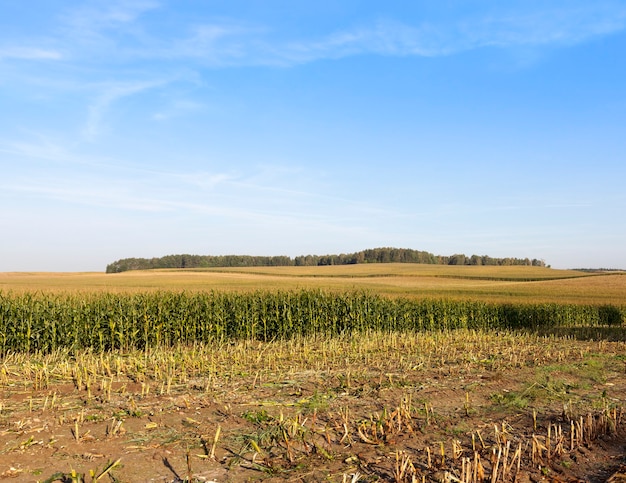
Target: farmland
{"x": 510, "y": 284}
{"x": 388, "y": 372}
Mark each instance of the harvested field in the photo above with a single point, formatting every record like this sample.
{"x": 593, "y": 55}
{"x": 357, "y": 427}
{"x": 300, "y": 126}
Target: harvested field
{"x": 512, "y": 284}
{"x": 391, "y": 407}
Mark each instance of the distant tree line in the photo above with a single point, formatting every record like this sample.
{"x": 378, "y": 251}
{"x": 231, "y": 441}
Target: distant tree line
{"x": 599, "y": 270}
{"x": 375, "y": 255}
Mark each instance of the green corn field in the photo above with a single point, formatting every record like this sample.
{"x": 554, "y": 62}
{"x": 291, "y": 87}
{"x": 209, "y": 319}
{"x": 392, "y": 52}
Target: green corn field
{"x": 103, "y": 321}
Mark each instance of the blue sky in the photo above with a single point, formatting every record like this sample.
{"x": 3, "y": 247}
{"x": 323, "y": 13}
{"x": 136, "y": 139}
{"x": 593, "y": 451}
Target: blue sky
{"x": 278, "y": 127}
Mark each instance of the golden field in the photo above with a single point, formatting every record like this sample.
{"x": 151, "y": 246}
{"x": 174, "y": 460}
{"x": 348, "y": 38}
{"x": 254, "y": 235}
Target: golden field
{"x": 498, "y": 284}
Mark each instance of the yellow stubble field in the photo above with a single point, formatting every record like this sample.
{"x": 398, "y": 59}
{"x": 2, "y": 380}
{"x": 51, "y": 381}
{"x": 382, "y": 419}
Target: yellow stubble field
{"x": 498, "y": 284}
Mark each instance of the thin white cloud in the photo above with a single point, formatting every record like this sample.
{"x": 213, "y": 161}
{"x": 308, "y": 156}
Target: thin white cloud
{"x": 43, "y": 149}
{"x": 92, "y": 194}
{"x": 93, "y": 18}
{"x": 116, "y": 31}
{"x": 219, "y": 43}
{"x": 110, "y": 93}
{"x": 188, "y": 193}
{"x": 124, "y": 11}
{"x": 29, "y": 53}
{"x": 177, "y": 108}
{"x": 547, "y": 27}
{"x": 384, "y": 38}
{"x": 103, "y": 31}
{"x": 202, "y": 180}
{"x": 229, "y": 43}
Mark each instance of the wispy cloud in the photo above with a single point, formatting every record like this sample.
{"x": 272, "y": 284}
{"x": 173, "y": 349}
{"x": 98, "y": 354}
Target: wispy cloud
{"x": 42, "y": 149}
{"x": 29, "y": 53}
{"x": 111, "y": 93}
{"x": 247, "y": 197}
{"x": 559, "y": 26}
{"x": 90, "y": 20}
{"x": 219, "y": 42}
{"x": 545, "y": 27}
{"x": 202, "y": 180}
{"x": 116, "y": 29}
{"x": 230, "y": 43}
{"x": 131, "y": 197}
{"x": 177, "y": 108}
{"x": 99, "y": 31}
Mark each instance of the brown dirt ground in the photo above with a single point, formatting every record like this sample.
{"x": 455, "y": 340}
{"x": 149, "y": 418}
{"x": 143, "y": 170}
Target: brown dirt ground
{"x": 316, "y": 426}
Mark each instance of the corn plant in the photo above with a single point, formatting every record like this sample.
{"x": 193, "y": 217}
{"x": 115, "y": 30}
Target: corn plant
{"x": 31, "y": 322}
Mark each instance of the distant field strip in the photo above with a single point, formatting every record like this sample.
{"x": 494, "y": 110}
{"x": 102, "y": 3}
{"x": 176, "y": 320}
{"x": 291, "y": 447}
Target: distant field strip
{"x": 491, "y": 284}
{"x": 357, "y": 275}
{"x": 517, "y": 273}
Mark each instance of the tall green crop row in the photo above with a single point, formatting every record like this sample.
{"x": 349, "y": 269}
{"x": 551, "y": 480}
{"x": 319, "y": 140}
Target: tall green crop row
{"x": 106, "y": 321}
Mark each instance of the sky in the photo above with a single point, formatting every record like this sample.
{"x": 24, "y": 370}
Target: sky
{"x": 143, "y": 128}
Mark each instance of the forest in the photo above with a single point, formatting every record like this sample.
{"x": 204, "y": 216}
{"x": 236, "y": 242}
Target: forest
{"x": 373, "y": 255}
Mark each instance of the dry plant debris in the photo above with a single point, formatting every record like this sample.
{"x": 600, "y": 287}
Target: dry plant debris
{"x": 456, "y": 406}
